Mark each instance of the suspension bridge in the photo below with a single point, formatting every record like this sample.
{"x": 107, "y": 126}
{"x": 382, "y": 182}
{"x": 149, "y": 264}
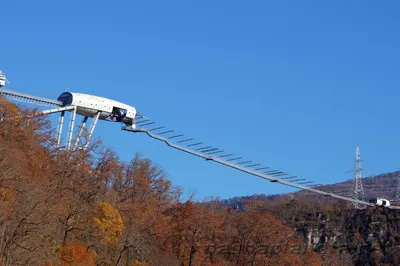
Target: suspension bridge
{"x": 99, "y": 108}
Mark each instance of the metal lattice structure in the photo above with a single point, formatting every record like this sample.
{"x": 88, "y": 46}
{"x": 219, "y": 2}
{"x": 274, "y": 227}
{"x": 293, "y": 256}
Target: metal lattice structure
{"x": 358, "y": 192}
{"x": 188, "y": 145}
{"x": 23, "y": 97}
{"x": 397, "y": 197}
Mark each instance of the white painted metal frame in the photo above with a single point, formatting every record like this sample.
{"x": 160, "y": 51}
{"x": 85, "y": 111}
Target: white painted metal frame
{"x": 92, "y": 127}
{"x": 81, "y": 129}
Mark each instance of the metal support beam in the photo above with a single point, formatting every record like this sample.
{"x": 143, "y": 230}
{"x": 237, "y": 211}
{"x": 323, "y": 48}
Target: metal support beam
{"x": 71, "y": 128}
{"x": 156, "y": 128}
{"x": 279, "y": 174}
{"x": 143, "y": 121}
{"x": 176, "y": 136}
{"x": 60, "y": 126}
{"x": 203, "y": 148}
{"x": 289, "y": 177}
{"x": 150, "y": 123}
{"x": 307, "y": 182}
{"x": 92, "y": 127}
{"x": 272, "y": 171}
{"x": 195, "y": 144}
{"x": 226, "y": 155}
{"x": 243, "y": 162}
{"x": 185, "y": 140}
{"x": 45, "y": 112}
{"x": 215, "y": 152}
{"x": 56, "y": 110}
{"x": 209, "y": 150}
{"x": 301, "y": 179}
{"x": 166, "y": 132}
{"x": 314, "y": 185}
{"x": 82, "y": 127}
{"x": 18, "y": 96}
{"x": 234, "y": 159}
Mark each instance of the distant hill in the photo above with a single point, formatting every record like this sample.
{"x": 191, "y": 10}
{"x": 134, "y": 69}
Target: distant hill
{"x": 383, "y": 185}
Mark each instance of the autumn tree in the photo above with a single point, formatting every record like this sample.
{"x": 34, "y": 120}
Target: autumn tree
{"x": 189, "y": 231}
{"x": 257, "y": 238}
{"x": 75, "y": 254}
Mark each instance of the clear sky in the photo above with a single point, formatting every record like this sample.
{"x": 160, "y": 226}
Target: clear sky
{"x": 295, "y": 85}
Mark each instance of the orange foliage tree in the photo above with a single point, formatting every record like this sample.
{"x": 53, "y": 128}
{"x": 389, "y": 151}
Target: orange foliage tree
{"x": 75, "y": 254}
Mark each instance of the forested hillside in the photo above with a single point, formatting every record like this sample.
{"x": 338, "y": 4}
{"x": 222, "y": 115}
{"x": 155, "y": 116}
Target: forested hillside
{"x": 369, "y": 236}
{"x": 90, "y": 208}
{"x": 363, "y": 237}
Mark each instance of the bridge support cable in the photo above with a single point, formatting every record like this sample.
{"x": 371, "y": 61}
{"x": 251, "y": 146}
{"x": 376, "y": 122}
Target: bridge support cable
{"x": 243, "y": 169}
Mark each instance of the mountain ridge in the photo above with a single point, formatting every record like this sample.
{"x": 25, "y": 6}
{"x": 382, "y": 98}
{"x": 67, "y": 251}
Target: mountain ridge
{"x": 383, "y": 185}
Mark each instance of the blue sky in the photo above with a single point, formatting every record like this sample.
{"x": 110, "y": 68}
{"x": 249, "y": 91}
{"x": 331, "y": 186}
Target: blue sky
{"x": 295, "y": 85}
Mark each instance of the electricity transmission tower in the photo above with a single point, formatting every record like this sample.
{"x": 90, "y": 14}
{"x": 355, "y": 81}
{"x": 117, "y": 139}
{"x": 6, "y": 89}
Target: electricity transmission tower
{"x": 358, "y": 192}
{"x": 397, "y": 197}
